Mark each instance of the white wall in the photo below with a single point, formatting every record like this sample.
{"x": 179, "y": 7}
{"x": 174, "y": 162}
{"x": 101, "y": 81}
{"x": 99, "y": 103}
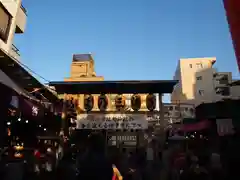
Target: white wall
{"x": 187, "y": 90}
{"x": 235, "y": 92}
{"x": 12, "y": 6}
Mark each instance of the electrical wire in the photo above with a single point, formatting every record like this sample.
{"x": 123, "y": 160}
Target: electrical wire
{"x": 25, "y": 66}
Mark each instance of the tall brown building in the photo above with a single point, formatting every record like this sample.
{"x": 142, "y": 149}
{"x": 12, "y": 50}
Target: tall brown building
{"x": 83, "y": 69}
{"x": 232, "y": 8}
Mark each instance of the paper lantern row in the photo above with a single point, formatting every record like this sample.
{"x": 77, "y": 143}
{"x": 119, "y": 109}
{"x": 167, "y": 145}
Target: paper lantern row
{"x": 120, "y": 102}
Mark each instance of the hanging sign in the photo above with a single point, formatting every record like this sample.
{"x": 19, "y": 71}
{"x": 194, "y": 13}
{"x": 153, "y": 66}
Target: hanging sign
{"x": 102, "y": 102}
{"x": 35, "y": 111}
{"x": 15, "y": 101}
{"x": 120, "y": 102}
{"x": 151, "y": 102}
{"x": 129, "y": 121}
{"x": 136, "y": 102}
{"x": 88, "y": 102}
{"x": 125, "y": 140}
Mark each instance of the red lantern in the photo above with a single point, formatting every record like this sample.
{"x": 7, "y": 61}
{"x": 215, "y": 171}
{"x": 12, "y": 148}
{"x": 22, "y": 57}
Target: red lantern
{"x": 151, "y": 102}
{"x": 120, "y": 102}
{"x": 102, "y": 102}
{"x": 88, "y": 102}
{"x": 136, "y": 102}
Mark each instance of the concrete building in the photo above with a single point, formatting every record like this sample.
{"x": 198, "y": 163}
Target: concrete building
{"x": 83, "y": 69}
{"x": 200, "y": 82}
{"x": 12, "y": 20}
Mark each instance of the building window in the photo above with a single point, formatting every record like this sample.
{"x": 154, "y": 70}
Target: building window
{"x": 224, "y": 79}
{"x": 199, "y": 78}
{"x": 201, "y": 92}
{"x": 5, "y": 22}
{"x": 199, "y": 65}
{"x": 224, "y": 91}
{"x": 190, "y": 65}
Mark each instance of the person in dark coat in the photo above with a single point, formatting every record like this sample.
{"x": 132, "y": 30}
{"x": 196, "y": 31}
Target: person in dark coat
{"x": 95, "y": 165}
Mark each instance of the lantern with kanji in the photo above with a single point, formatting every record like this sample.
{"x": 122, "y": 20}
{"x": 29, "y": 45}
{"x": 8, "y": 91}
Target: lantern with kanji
{"x": 136, "y": 102}
{"x": 151, "y": 102}
{"x": 88, "y": 102}
{"x": 102, "y": 102}
{"x": 70, "y": 106}
{"x": 120, "y": 102}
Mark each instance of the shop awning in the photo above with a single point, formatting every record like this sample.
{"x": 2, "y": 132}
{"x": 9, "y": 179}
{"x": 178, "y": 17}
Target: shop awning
{"x": 4, "y": 79}
{"x": 199, "y": 126}
{"x": 16, "y": 71}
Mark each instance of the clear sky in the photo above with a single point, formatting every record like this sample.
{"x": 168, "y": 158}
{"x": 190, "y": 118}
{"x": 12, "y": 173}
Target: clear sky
{"x": 130, "y": 39}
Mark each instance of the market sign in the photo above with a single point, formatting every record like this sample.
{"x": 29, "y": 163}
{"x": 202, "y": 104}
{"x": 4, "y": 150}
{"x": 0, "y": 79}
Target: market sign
{"x": 111, "y": 121}
{"x": 122, "y": 139}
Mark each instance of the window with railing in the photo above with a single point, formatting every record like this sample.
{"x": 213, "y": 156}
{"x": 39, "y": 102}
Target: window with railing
{"x": 24, "y": 9}
{"x": 5, "y": 22}
{"x": 15, "y": 49}
{"x": 224, "y": 91}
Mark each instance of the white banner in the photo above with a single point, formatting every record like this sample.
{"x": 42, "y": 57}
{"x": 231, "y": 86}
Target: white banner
{"x": 224, "y": 127}
{"x": 111, "y": 121}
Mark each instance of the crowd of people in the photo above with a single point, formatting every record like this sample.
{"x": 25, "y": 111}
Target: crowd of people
{"x": 175, "y": 162}
{"x": 91, "y": 159}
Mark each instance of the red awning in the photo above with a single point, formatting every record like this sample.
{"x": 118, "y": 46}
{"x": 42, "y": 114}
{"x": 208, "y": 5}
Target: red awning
{"x": 196, "y": 126}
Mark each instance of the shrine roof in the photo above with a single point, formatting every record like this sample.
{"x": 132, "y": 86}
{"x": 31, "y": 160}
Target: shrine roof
{"x": 114, "y": 87}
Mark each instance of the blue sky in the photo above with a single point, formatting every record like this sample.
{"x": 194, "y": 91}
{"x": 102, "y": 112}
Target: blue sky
{"x": 130, "y": 39}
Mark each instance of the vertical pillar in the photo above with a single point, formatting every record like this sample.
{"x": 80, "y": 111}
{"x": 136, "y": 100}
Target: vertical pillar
{"x": 64, "y": 114}
{"x": 162, "y": 133}
{"x": 6, "y": 95}
{"x": 161, "y": 109}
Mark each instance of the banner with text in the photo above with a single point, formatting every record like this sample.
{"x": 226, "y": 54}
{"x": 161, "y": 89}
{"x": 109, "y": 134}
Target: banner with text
{"x": 112, "y": 121}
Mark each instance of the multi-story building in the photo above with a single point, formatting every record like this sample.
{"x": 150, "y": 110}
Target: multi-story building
{"x": 232, "y": 8}
{"x": 12, "y": 20}
{"x": 200, "y": 82}
{"x": 82, "y": 69}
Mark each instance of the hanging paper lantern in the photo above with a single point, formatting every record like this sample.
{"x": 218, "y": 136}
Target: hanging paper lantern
{"x": 151, "y": 102}
{"x": 88, "y": 102}
{"x": 102, "y": 102}
{"x": 120, "y": 102}
{"x": 136, "y": 102}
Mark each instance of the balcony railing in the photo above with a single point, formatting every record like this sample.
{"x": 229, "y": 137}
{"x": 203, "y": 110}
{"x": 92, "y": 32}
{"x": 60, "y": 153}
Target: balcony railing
{"x": 23, "y": 8}
{"x": 15, "y": 52}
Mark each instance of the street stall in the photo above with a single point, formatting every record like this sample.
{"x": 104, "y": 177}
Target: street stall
{"x": 21, "y": 104}
{"x": 224, "y": 116}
